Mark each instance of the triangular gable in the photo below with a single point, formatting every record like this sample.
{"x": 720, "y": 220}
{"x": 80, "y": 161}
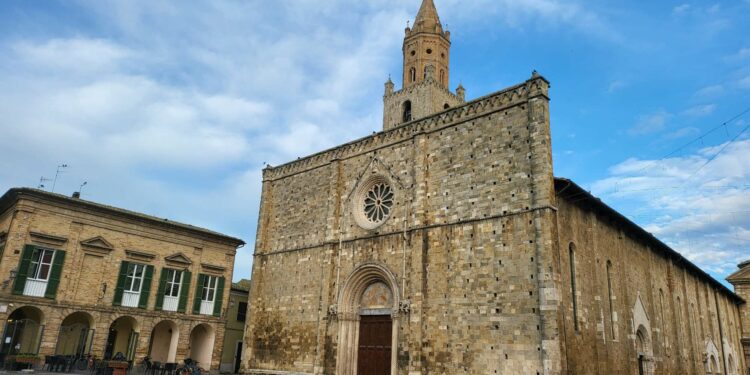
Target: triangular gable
{"x": 376, "y": 166}
{"x": 741, "y": 275}
{"x": 97, "y": 242}
{"x": 640, "y": 316}
{"x": 179, "y": 258}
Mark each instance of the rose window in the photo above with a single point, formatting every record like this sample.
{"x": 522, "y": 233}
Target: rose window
{"x": 373, "y": 202}
{"x": 378, "y": 202}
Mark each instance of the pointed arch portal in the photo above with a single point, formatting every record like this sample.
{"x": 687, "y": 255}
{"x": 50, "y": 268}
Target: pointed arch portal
{"x": 368, "y": 306}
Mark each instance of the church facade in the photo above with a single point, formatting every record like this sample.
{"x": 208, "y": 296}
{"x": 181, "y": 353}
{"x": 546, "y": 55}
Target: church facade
{"x": 445, "y": 245}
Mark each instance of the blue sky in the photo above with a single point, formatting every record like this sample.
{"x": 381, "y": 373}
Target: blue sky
{"x": 172, "y": 108}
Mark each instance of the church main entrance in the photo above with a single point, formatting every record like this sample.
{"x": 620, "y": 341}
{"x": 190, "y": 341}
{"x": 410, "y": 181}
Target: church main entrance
{"x": 368, "y": 318}
{"x": 375, "y": 337}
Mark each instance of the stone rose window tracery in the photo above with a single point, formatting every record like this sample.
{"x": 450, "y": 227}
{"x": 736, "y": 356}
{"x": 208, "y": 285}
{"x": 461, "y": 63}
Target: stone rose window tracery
{"x": 378, "y": 202}
{"x": 374, "y": 202}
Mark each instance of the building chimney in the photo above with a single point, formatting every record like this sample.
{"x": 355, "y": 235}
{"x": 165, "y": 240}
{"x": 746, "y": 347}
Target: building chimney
{"x": 76, "y": 195}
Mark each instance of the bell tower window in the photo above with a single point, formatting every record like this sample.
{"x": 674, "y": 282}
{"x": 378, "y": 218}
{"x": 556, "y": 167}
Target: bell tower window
{"x": 407, "y": 111}
{"x": 413, "y": 74}
{"x": 442, "y": 77}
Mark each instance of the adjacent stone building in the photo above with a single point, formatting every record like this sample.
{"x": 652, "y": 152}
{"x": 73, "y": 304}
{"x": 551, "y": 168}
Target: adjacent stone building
{"x": 445, "y": 245}
{"x": 81, "y": 278}
{"x": 741, "y": 282}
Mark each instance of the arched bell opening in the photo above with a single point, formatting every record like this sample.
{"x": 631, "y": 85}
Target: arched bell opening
{"x": 76, "y": 335}
{"x": 23, "y": 331}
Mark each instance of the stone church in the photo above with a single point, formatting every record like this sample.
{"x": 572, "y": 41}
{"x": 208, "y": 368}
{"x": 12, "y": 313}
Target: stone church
{"x": 444, "y": 244}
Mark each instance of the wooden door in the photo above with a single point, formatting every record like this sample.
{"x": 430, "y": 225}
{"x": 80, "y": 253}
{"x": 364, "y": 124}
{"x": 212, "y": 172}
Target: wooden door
{"x": 375, "y": 334}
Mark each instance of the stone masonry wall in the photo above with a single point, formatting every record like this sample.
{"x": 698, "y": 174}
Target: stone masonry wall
{"x": 427, "y": 98}
{"x": 469, "y": 242}
{"x": 680, "y": 307}
{"x": 89, "y": 278}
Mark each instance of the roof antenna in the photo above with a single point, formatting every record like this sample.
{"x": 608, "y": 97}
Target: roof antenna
{"x": 42, "y": 180}
{"x": 59, "y": 167}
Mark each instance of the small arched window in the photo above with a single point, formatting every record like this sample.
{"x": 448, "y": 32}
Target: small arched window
{"x": 573, "y": 289}
{"x": 446, "y": 106}
{"x": 442, "y": 77}
{"x": 407, "y": 111}
{"x": 425, "y": 72}
{"x": 413, "y": 74}
{"x": 663, "y": 322}
{"x": 611, "y": 296}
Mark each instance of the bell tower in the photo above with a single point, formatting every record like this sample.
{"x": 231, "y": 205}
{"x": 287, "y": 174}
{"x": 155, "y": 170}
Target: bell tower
{"x": 426, "y": 44}
{"x": 426, "y": 74}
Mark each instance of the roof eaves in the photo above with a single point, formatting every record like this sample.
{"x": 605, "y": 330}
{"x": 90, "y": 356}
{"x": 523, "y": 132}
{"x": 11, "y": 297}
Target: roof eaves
{"x": 567, "y": 185}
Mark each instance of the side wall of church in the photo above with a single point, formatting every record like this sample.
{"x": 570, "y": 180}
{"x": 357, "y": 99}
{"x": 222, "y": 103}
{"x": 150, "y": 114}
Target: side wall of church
{"x": 683, "y": 316}
{"x": 468, "y": 242}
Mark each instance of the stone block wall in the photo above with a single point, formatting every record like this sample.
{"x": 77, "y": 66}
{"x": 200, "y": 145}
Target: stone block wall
{"x": 427, "y": 98}
{"x": 623, "y": 283}
{"x": 469, "y": 244}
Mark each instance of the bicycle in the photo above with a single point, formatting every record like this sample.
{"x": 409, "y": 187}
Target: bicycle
{"x": 190, "y": 368}
{"x": 83, "y": 362}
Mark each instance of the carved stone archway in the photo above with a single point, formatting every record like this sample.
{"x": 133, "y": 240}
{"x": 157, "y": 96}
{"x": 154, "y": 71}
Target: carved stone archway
{"x": 348, "y": 313}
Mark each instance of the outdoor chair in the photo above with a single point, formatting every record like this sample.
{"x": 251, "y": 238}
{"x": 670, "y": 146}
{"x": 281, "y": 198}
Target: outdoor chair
{"x": 156, "y": 368}
{"x": 48, "y": 361}
{"x": 169, "y": 369}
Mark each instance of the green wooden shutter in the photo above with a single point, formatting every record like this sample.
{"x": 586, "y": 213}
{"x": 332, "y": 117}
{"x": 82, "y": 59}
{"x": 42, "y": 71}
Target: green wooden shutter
{"x": 146, "y": 287}
{"x": 120, "y": 287}
{"x": 198, "y": 292}
{"x": 23, "y": 269}
{"x": 184, "y": 291}
{"x": 54, "y": 276}
{"x": 160, "y": 289}
{"x": 219, "y": 296}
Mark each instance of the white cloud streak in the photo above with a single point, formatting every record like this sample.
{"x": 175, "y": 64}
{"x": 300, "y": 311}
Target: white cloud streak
{"x": 703, "y": 213}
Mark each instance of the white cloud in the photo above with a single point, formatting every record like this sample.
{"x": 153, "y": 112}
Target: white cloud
{"x": 701, "y": 210}
{"x": 173, "y": 109}
{"x": 700, "y": 110}
{"x": 742, "y": 54}
{"x": 681, "y": 9}
{"x": 710, "y": 91}
{"x": 651, "y": 123}
{"x": 540, "y": 13}
{"x": 683, "y": 132}
{"x": 616, "y": 86}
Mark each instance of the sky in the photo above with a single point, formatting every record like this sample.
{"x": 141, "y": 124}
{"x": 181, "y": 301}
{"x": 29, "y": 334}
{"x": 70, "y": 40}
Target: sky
{"x": 172, "y": 108}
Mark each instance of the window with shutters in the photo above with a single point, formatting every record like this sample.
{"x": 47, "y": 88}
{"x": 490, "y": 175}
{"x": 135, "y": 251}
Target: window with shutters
{"x": 133, "y": 283}
{"x": 39, "y": 272}
{"x": 172, "y": 290}
{"x": 241, "y": 311}
{"x": 208, "y": 295}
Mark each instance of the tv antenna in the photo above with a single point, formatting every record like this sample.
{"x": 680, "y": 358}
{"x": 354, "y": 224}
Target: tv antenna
{"x": 42, "y": 180}
{"x": 59, "y": 169}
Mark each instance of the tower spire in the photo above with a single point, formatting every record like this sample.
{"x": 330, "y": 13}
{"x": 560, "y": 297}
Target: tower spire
{"x": 428, "y": 20}
{"x": 426, "y": 49}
